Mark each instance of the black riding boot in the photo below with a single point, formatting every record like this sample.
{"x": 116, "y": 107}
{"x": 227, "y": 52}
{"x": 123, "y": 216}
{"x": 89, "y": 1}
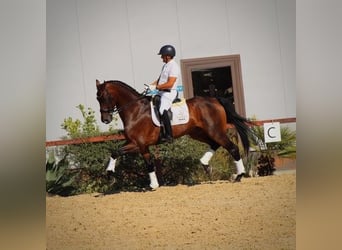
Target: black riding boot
{"x": 167, "y": 130}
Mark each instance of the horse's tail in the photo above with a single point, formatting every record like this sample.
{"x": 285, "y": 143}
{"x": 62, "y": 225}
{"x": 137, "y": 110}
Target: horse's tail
{"x": 240, "y": 123}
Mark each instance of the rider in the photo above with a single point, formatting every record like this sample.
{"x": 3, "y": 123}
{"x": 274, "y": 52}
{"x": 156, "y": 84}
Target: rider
{"x": 166, "y": 86}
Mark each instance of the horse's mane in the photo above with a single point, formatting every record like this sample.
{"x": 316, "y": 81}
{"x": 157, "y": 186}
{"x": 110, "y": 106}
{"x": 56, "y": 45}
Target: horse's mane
{"x": 124, "y": 85}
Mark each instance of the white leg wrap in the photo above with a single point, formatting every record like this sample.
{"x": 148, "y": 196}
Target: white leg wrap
{"x": 111, "y": 165}
{"x": 240, "y": 167}
{"x": 153, "y": 178}
{"x": 207, "y": 156}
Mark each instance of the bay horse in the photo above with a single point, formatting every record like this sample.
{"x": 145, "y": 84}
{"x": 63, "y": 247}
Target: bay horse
{"x": 208, "y": 118}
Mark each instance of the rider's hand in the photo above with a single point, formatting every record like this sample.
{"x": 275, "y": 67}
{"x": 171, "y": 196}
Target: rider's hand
{"x": 152, "y": 87}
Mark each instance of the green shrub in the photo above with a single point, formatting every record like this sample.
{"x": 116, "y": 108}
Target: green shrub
{"x": 59, "y": 178}
{"x": 83, "y": 167}
{"x": 178, "y": 162}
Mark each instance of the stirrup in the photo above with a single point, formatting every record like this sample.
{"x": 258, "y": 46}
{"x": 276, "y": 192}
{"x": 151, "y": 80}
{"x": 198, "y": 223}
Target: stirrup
{"x": 163, "y": 138}
{"x": 167, "y": 139}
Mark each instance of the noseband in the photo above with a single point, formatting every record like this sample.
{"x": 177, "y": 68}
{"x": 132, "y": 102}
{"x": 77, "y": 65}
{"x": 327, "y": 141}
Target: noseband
{"x": 110, "y": 111}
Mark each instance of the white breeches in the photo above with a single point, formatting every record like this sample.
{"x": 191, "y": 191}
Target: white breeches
{"x": 166, "y": 100}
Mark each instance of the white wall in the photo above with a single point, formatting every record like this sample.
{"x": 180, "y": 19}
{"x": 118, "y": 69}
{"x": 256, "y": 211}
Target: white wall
{"x": 120, "y": 39}
{"x": 263, "y": 33}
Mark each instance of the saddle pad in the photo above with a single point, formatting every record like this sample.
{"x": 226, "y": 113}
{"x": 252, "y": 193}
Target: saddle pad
{"x": 180, "y": 113}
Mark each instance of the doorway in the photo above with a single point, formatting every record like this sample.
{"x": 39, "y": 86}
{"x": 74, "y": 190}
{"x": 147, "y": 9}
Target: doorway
{"x": 218, "y": 76}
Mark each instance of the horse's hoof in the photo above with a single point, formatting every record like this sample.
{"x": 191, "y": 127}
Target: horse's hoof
{"x": 208, "y": 169}
{"x": 239, "y": 177}
{"x": 154, "y": 187}
{"x": 151, "y": 189}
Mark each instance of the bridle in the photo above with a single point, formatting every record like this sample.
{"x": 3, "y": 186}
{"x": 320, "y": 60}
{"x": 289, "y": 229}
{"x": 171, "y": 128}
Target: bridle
{"x": 115, "y": 109}
{"x": 110, "y": 110}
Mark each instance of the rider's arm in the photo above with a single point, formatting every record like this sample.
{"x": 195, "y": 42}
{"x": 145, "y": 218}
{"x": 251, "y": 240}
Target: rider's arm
{"x": 167, "y": 85}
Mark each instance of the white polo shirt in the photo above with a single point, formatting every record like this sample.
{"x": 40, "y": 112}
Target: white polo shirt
{"x": 170, "y": 69}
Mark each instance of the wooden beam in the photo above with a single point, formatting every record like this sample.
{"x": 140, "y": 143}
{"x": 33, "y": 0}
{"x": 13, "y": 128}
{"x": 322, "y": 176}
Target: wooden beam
{"x": 281, "y": 120}
{"x": 261, "y": 122}
{"x": 85, "y": 140}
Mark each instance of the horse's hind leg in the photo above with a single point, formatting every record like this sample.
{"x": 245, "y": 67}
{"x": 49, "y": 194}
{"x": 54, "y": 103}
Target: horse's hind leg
{"x": 217, "y": 140}
{"x": 234, "y": 151}
{"x": 201, "y": 136}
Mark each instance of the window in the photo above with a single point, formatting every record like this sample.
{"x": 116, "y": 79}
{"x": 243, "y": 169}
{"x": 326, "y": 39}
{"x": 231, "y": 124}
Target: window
{"x": 214, "y": 76}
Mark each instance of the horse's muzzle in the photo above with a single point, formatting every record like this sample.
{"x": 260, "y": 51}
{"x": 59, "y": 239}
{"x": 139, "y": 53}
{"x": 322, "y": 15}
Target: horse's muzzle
{"x": 106, "y": 119}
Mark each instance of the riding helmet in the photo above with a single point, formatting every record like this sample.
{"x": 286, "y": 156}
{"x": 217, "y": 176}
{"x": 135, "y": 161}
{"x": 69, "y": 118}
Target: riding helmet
{"x": 167, "y": 50}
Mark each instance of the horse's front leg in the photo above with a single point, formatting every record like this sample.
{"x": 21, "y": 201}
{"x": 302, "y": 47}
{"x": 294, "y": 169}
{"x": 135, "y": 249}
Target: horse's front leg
{"x": 134, "y": 148}
{"x": 128, "y": 148}
{"x": 151, "y": 171}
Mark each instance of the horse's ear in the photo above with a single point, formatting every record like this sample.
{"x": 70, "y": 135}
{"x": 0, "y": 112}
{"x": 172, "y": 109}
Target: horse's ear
{"x": 97, "y": 83}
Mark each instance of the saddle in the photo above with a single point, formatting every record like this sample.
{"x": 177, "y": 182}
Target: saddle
{"x": 178, "y": 113}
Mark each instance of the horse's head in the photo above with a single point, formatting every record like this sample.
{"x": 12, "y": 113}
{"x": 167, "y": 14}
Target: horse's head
{"x": 107, "y": 104}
